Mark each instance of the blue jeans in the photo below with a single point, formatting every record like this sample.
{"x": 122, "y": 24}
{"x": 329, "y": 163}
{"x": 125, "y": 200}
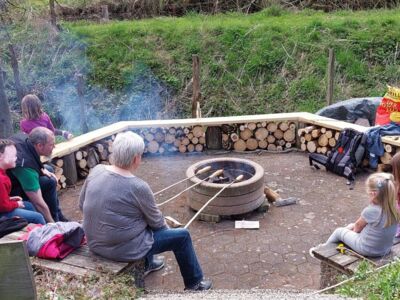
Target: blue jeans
{"x": 48, "y": 186}
{"x": 29, "y": 213}
{"x": 180, "y": 242}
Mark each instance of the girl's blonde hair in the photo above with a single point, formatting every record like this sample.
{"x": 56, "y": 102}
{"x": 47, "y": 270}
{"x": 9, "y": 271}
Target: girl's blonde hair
{"x": 386, "y": 195}
{"x": 31, "y": 107}
{"x": 396, "y": 169}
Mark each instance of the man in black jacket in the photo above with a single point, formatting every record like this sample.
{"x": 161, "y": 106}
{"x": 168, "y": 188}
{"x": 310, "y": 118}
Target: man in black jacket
{"x": 30, "y": 178}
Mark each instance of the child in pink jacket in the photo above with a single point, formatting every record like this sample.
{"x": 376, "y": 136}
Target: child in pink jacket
{"x": 34, "y": 116}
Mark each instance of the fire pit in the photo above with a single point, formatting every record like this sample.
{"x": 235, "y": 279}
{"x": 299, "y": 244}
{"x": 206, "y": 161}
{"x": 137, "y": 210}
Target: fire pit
{"x": 242, "y": 197}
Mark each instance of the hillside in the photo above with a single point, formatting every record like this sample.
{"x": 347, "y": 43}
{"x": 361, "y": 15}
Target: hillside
{"x": 271, "y": 61}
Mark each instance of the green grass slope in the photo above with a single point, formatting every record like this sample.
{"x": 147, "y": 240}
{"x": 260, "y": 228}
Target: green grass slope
{"x": 272, "y": 61}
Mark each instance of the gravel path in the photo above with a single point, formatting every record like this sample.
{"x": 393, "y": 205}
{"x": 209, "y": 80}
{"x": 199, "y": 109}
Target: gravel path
{"x": 253, "y": 294}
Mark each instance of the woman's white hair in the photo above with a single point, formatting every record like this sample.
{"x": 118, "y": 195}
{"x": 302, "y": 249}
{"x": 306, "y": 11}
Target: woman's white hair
{"x": 126, "y": 145}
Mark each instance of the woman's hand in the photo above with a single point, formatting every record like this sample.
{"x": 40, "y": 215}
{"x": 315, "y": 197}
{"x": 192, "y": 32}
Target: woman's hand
{"x": 21, "y": 204}
{"x": 15, "y": 198}
{"x": 350, "y": 226}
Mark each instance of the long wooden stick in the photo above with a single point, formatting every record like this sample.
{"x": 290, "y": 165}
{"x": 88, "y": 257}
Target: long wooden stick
{"x": 239, "y": 178}
{"x": 215, "y": 174}
{"x": 344, "y": 248}
{"x": 201, "y": 171}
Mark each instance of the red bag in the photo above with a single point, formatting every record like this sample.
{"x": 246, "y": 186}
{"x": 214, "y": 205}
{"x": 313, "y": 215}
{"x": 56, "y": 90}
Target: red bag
{"x": 389, "y": 108}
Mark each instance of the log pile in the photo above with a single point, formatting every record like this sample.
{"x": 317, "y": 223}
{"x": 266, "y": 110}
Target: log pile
{"x": 57, "y": 165}
{"x": 390, "y": 150}
{"x": 229, "y": 135}
{"x": 317, "y": 139}
{"x": 173, "y": 139}
{"x": 272, "y": 136}
{"x": 157, "y": 141}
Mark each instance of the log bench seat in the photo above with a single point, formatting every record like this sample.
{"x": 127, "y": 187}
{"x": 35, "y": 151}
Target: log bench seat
{"x": 83, "y": 262}
{"x": 333, "y": 263}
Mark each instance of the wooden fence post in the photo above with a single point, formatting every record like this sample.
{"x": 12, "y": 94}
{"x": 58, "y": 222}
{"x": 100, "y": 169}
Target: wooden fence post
{"x": 330, "y": 77}
{"x": 53, "y": 15}
{"x": 196, "y": 86}
{"x": 104, "y": 13}
{"x": 79, "y": 90}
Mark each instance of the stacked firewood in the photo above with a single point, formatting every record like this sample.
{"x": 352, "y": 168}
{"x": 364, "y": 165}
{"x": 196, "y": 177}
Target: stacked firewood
{"x": 317, "y": 139}
{"x": 173, "y": 139}
{"x": 228, "y": 131}
{"x": 58, "y": 171}
{"x": 272, "y": 136}
{"x": 92, "y": 155}
{"x": 390, "y": 150}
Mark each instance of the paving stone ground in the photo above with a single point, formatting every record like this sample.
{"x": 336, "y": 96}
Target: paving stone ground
{"x": 276, "y": 255}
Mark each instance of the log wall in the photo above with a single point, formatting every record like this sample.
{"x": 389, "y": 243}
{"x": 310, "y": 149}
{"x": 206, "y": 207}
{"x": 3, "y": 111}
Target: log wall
{"x": 272, "y": 133}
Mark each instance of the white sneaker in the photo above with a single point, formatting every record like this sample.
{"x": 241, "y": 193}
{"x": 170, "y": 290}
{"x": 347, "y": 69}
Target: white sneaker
{"x": 315, "y": 247}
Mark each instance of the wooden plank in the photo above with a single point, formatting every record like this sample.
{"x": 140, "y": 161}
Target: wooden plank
{"x": 94, "y": 262}
{"x": 16, "y": 276}
{"x": 352, "y": 268}
{"x": 57, "y": 266}
{"x": 329, "y": 123}
{"x": 326, "y": 251}
{"x": 342, "y": 260}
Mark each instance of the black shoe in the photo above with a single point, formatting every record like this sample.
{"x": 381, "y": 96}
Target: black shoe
{"x": 203, "y": 285}
{"x": 155, "y": 265}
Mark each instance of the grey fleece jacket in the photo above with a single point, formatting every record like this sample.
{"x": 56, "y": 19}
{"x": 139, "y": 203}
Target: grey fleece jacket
{"x": 119, "y": 214}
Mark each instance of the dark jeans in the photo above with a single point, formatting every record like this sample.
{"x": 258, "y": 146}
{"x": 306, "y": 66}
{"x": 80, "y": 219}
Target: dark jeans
{"x": 29, "y": 213}
{"x": 48, "y": 186}
{"x": 180, "y": 242}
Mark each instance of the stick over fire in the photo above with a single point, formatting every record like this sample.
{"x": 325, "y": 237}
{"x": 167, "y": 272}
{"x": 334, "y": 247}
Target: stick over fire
{"x": 215, "y": 174}
{"x": 201, "y": 171}
{"x": 237, "y": 179}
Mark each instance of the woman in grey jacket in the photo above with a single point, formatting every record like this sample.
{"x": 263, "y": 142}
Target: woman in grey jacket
{"x": 122, "y": 221}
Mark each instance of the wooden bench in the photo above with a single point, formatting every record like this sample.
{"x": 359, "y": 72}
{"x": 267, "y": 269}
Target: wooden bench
{"x": 83, "y": 262}
{"x": 16, "y": 276}
{"x": 333, "y": 263}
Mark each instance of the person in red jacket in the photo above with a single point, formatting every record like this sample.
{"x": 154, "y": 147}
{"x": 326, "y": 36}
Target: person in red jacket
{"x": 13, "y": 206}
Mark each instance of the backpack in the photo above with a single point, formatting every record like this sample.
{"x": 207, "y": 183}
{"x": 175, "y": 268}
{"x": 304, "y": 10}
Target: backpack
{"x": 346, "y": 157}
{"x": 8, "y": 225}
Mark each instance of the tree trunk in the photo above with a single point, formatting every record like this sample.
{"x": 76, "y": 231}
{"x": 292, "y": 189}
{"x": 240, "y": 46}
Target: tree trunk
{"x": 15, "y": 68}
{"x": 5, "y": 115}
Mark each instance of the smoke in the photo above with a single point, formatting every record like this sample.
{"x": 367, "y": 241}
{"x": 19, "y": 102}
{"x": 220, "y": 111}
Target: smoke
{"x": 49, "y": 61}
{"x": 143, "y": 99}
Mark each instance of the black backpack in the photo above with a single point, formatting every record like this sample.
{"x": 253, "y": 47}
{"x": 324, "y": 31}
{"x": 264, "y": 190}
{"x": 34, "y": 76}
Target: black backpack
{"x": 8, "y": 225}
{"x": 346, "y": 157}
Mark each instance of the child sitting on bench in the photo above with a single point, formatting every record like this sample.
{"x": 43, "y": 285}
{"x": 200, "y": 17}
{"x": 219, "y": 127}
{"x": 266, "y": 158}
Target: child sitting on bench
{"x": 372, "y": 234}
{"x": 13, "y": 206}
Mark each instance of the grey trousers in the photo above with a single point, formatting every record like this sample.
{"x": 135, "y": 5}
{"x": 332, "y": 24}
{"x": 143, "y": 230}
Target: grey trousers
{"x": 347, "y": 236}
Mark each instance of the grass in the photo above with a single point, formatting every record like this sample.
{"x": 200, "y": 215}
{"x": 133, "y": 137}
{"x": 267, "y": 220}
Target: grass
{"x": 57, "y": 285}
{"x": 271, "y": 61}
{"x": 368, "y": 284}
